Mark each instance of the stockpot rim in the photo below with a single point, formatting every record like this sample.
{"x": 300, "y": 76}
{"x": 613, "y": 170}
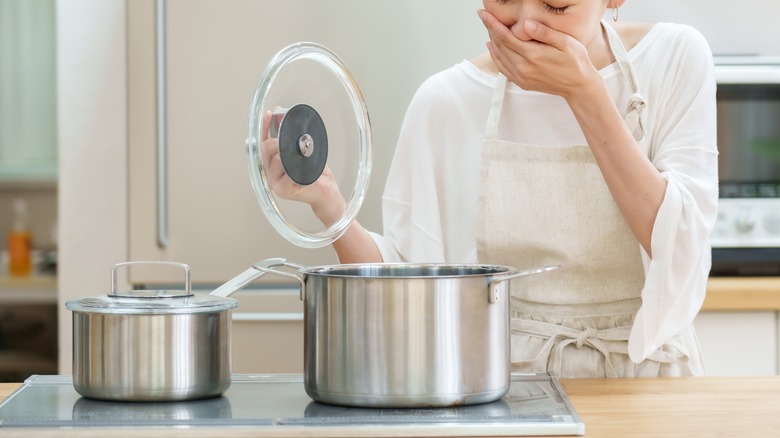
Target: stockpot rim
{"x": 407, "y": 271}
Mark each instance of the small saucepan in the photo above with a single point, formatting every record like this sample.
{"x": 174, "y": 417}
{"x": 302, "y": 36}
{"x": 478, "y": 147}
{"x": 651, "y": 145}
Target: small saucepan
{"x": 154, "y": 345}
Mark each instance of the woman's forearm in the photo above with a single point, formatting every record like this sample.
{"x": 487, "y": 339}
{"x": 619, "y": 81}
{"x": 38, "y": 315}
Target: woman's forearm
{"x": 635, "y": 184}
{"x": 357, "y": 246}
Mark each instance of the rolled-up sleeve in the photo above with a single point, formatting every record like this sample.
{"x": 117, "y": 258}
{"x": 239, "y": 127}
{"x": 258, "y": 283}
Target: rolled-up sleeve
{"x": 684, "y": 150}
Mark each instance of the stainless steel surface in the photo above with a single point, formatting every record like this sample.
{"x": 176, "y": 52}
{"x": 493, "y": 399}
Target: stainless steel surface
{"x": 155, "y": 357}
{"x": 244, "y": 278}
{"x": 154, "y": 345}
{"x": 306, "y": 145}
{"x": 277, "y": 405}
{"x": 405, "y": 335}
{"x": 373, "y": 340}
{"x": 162, "y": 127}
{"x": 165, "y": 302}
{"x": 494, "y": 289}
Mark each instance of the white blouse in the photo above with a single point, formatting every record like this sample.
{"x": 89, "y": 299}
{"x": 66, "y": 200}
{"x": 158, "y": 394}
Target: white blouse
{"x": 430, "y": 198}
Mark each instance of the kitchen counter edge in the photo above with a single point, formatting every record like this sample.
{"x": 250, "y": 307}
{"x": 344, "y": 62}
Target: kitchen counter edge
{"x": 640, "y": 407}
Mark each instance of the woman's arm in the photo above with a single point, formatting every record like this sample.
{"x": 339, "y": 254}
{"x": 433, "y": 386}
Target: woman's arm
{"x": 357, "y": 246}
{"x": 635, "y": 184}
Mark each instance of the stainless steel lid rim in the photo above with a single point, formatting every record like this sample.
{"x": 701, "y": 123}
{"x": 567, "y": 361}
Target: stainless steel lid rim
{"x": 100, "y": 306}
{"x": 152, "y": 301}
{"x": 408, "y": 270}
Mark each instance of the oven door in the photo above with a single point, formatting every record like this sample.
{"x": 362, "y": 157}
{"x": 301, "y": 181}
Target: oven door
{"x": 746, "y": 238}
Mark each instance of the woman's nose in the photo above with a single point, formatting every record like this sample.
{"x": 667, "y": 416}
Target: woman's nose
{"x": 523, "y": 12}
{"x": 518, "y": 29}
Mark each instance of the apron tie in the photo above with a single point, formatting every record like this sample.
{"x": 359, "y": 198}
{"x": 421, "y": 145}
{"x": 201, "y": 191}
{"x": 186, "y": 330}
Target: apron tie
{"x": 607, "y": 341}
{"x": 586, "y": 335}
{"x": 636, "y": 103}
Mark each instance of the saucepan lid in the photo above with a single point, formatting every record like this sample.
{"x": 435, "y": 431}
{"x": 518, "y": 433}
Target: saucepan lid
{"x": 308, "y": 105}
{"x": 167, "y": 301}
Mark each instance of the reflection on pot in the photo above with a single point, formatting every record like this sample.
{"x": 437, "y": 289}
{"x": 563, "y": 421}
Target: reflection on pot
{"x": 98, "y": 411}
{"x": 499, "y": 408}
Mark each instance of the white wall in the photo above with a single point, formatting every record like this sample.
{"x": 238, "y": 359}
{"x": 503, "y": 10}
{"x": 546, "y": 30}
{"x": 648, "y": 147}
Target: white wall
{"x": 92, "y": 119}
{"x": 731, "y": 27}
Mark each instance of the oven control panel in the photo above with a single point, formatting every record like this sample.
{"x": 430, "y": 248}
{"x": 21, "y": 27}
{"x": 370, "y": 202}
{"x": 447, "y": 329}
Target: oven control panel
{"x": 747, "y": 223}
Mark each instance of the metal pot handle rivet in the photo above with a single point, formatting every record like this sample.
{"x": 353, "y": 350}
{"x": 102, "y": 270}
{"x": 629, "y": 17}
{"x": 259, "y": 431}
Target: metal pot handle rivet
{"x": 493, "y": 286}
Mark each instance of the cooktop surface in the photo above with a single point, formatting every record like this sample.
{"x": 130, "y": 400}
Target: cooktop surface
{"x": 277, "y": 405}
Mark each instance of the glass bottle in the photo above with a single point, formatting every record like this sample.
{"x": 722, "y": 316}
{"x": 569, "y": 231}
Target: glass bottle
{"x": 20, "y": 242}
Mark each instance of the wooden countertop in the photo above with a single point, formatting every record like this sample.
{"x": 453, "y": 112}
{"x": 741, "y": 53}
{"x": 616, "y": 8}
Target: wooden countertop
{"x": 36, "y": 289}
{"x": 650, "y": 407}
{"x": 742, "y": 293}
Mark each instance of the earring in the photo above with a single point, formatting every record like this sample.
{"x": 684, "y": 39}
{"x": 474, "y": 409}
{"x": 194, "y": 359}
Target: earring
{"x": 615, "y": 13}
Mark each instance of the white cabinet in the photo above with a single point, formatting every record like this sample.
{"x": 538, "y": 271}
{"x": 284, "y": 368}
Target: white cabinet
{"x": 739, "y": 343}
{"x": 268, "y": 332}
{"x": 28, "y": 128}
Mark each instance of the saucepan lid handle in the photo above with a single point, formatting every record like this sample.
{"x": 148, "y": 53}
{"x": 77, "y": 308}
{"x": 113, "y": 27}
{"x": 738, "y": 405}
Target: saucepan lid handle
{"x": 152, "y": 294}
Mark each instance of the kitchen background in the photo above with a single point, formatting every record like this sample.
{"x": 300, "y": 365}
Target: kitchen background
{"x": 78, "y": 142}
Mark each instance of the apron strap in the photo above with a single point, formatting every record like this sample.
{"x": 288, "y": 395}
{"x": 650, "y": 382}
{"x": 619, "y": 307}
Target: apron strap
{"x": 494, "y": 116}
{"x": 636, "y": 103}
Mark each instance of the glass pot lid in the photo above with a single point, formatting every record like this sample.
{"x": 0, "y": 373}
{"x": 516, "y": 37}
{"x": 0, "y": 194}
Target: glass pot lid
{"x": 152, "y": 301}
{"x": 308, "y": 107}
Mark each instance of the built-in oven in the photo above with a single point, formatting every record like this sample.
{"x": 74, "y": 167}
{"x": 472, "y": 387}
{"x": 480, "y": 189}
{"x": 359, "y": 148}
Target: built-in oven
{"x": 746, "y": 238}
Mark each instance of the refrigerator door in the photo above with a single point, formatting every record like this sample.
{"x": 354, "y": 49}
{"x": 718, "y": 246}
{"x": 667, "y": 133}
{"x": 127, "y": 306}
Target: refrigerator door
{"x": 215, "y": 53}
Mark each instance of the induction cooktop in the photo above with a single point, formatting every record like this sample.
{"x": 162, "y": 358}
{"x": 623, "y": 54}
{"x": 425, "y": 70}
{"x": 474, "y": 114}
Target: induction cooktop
{"x": 277, "y": 405}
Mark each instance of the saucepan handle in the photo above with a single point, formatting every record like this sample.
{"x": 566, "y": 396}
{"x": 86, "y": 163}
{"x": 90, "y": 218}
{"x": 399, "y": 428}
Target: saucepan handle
{"x": 493, "y": 289}
{"x": 256, "y": 271}
{"x": 267, "y": 267}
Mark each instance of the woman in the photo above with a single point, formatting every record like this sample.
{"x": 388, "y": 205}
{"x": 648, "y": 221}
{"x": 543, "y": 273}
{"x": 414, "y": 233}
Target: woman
{"x": 571, "y": 142}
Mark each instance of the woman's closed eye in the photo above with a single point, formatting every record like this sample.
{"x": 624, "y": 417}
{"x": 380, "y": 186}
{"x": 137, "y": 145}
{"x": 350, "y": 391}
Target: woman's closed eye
{"x": 555, "y": 10}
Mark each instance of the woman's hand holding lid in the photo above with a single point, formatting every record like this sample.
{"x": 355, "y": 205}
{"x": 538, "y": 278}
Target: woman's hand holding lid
{"x": 323, "y": 195}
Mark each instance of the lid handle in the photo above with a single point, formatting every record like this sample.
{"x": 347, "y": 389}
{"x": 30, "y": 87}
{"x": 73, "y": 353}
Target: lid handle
{"x": 186, "y": 267}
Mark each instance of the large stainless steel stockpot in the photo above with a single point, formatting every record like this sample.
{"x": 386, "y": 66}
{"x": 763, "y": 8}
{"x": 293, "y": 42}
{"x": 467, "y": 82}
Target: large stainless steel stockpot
{"x": 405, "y": 335}
{"x": 153, "y": 345}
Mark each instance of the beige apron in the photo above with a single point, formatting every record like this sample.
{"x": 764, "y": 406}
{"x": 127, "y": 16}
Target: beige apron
{"x": 542, "y": 205}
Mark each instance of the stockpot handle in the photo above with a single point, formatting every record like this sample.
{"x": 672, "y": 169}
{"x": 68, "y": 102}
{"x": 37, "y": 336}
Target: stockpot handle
{"x": 267, "y": 267}
{"x": 493, "y": 291}
{"x": 186, "y": 267}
